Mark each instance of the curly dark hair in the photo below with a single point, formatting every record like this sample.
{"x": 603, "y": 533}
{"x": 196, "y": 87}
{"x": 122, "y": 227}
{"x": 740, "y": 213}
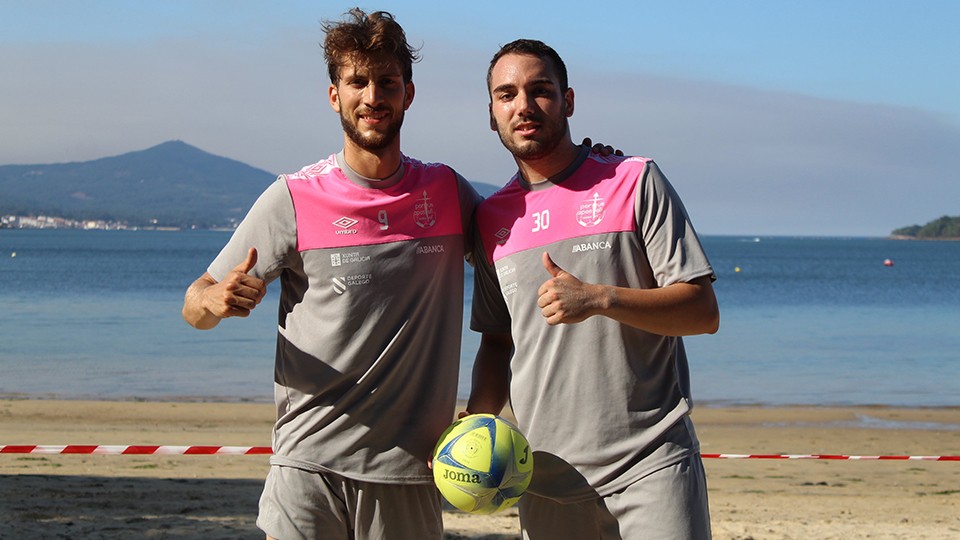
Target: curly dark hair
{"x": 364, "y": 38}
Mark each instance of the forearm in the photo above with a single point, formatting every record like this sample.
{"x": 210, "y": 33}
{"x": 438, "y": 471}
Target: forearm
{"x": 681, "y": 309}
{"x": 490, "y": 388}
{"x": 194, "y": 311}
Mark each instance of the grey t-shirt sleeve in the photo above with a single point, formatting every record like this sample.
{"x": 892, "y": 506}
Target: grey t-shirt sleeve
{"x": 666, "y": 233}
{"x": 489, "y": 312}
{"x": 469, "y": 199}
{"x": 270, "y": 226}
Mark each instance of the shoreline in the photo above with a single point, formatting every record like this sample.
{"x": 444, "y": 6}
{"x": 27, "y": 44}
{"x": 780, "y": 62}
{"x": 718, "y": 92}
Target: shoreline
{"x": 461, "y": 403}
{"x": 122, "y": 496}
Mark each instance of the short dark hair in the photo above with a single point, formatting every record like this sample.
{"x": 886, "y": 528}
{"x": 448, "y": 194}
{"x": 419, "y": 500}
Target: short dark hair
{"x": 364, "y": 38}
{"x": 531, "y": 47}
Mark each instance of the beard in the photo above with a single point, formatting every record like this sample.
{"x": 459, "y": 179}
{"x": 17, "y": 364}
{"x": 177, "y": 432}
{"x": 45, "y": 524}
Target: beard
{"x": 372, "y": 140}
{"x": 554, "y": 131}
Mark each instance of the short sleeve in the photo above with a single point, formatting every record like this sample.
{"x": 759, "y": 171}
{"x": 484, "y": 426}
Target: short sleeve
{"x": 270, "y": 226}
{"x": 668, "y": 237}
{"x": 469, "y": 199}
{"x": 489, "y": 311}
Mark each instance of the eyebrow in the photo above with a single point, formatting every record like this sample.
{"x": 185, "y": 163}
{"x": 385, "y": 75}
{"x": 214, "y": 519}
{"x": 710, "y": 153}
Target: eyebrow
{"x": 536, "y": 82}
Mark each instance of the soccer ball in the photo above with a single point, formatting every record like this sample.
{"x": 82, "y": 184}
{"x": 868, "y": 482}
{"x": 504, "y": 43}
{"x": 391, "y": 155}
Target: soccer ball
{"x": 482, "y": 464}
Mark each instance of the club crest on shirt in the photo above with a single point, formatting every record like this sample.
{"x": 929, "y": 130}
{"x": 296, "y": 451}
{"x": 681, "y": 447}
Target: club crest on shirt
{"x": 424, "y": 214}
{"x": 591, "y": 211}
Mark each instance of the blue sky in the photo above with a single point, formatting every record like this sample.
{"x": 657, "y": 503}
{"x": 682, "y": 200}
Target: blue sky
{"x": 833, "y": 118}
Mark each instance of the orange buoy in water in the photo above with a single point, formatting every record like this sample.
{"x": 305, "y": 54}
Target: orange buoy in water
{"x": 887, "y": 262}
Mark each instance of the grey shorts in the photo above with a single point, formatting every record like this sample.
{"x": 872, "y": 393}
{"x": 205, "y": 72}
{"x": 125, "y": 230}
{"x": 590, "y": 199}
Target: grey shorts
{"x": 668, "y": 504}
{"x": 303, "y": 504}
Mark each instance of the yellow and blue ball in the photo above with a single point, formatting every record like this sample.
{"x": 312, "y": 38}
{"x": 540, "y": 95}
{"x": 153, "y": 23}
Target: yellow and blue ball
{"x": 482, "y": 464}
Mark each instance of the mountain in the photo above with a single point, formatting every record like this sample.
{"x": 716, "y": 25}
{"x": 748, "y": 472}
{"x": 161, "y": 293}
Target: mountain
{"x": 944, "y": 228}
{"x": 485, "y": 190}
{"x": 172, "y": 184}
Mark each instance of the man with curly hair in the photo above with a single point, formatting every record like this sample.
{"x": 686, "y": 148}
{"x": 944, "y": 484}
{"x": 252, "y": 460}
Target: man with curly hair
{"x": 369, "y": 246}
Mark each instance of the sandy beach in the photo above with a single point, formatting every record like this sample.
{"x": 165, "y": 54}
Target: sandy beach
{"x": 114, "y": 496}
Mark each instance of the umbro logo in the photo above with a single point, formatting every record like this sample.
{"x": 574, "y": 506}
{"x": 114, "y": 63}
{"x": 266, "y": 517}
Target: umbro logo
{"x": 345, "y": 222}
{"x": 502, "y": 235}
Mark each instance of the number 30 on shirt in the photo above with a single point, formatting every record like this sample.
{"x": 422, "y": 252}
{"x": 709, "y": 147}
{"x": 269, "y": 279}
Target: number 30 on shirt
{"x": 541, "y": 220}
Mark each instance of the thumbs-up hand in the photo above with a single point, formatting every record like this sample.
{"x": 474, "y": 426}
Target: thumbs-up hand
{"x": 564, "y": 299}
{"x": 248, "y": 263}
{"x": 238, "y": 293}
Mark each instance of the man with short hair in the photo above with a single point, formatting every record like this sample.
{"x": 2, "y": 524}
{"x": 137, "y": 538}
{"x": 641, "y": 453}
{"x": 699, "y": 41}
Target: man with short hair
{"x": 588, "y": 272}
{"x": 369, "y": 247}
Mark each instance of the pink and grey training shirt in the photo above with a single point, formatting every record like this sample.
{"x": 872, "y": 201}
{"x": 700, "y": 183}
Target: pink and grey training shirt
{"x": 371, "y": 301}
{"x": 602, "y": 403}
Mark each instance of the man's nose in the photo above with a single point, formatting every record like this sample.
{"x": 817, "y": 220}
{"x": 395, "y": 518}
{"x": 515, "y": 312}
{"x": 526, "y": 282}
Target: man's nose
{"x": 373, "y": 93}
{"x": 524, "y": 104}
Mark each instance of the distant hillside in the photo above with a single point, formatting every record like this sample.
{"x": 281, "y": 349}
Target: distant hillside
{"x": 171, "y": 184}
{"x": 485, "y": 190}
{"x": 943, "y": 228}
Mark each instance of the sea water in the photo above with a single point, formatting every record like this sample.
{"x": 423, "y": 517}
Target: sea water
{"x": 815, "y": 321}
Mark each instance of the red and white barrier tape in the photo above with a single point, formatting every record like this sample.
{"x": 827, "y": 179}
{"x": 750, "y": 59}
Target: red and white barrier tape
{"x": 832, "y": 456}
{"x": 264, "y": 450}
{"x": 136, "y": 450}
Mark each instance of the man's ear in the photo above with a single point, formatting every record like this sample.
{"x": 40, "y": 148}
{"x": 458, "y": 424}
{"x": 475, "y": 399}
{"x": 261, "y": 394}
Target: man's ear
{"x": 334, "y": 96}
{"x": 409, "y": 91}
{"x": 493, "y": 121}
{"x": 568, "y": 102}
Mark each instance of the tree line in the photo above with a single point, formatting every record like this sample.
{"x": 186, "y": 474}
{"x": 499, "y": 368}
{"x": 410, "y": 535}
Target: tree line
{"x": 944, "y": 227}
